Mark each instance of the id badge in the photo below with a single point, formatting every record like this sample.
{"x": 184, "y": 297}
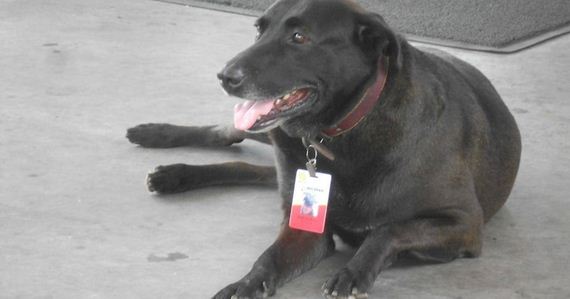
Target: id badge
{"x": 310, "y": 200}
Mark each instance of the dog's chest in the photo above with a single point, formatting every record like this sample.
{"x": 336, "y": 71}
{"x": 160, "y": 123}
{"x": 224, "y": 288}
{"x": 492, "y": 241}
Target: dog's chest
{"x": 355, "y": 200}
{"x": 357, "y": 203}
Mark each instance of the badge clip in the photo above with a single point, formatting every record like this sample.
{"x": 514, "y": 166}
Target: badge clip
{"x": 311, "y": 164}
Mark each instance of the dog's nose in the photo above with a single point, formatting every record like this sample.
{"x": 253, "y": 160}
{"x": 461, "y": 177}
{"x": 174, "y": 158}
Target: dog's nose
{"x": 231, "y": 78}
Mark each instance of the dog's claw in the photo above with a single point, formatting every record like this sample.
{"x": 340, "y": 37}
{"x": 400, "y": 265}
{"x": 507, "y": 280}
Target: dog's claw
{"x": 357, "y": 295}
{"x": 250, "y": 287}
{"x": 344, "y": 286}
{"x": 265, "y": 289}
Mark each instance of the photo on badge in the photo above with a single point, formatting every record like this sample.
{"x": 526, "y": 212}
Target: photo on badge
{"x": 310, "y": 205}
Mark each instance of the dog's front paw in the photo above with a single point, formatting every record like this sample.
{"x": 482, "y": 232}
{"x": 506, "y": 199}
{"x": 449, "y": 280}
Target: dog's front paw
{"x": 168, "y": 179}
{"x": 347, "y": 285}
{"x": 248, "y": 288}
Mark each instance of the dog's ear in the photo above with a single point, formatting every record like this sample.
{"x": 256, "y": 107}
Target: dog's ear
{"x": 376, "y": 38}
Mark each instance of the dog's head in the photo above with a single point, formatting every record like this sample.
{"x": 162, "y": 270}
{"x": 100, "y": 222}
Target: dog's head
{"x": 310, "y": 61}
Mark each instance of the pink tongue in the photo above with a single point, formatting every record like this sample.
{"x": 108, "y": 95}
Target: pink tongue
{"x": 247, "y": 113}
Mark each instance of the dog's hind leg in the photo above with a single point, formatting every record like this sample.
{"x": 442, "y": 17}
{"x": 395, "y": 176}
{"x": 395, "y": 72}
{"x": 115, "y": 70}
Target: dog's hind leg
{"x": 442, "y": 238}
{"x": 178, "y": 178}
{"x": 166, "y": 135}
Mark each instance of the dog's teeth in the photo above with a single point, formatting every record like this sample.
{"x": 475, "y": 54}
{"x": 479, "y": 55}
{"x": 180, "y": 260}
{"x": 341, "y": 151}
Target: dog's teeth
{"x": 287, "y": 96}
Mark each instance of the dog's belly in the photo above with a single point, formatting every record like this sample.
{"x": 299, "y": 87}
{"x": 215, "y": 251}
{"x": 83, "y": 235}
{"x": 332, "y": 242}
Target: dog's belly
{"x": 352, "y": 223}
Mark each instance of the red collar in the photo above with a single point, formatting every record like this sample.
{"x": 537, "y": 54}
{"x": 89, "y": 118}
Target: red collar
{"x": 364, "y": 106}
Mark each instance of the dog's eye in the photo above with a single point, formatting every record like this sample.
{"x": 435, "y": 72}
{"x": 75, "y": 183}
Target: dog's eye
{"x": 299, "y": 38}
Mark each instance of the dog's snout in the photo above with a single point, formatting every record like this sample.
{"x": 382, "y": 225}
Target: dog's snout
{"x": 231, "y": 78}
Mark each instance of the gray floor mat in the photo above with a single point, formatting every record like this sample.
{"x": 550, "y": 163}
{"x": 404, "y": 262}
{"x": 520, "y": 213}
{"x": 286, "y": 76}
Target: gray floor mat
{"x": 487, "y": 25}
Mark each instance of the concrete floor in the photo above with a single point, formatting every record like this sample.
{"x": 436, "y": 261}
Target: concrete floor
{"x": 77, "y": 222}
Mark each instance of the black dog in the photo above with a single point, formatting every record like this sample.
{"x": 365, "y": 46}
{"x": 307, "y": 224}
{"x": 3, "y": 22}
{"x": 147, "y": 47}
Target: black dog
{"x": 421, "y": 148}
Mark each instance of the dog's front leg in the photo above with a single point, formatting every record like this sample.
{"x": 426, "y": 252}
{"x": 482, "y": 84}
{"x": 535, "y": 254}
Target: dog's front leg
{"x": 293, "y": 253}
{"x": 435, "y": 239}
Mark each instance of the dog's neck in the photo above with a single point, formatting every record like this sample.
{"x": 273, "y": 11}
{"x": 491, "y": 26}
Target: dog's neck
{"x": 352, "y": 118}
{"x": 369, "y": 98}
